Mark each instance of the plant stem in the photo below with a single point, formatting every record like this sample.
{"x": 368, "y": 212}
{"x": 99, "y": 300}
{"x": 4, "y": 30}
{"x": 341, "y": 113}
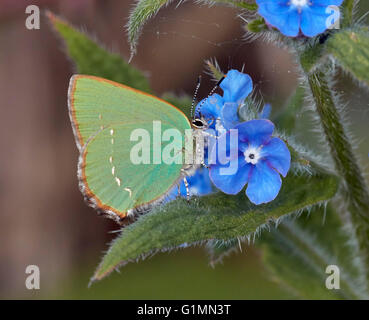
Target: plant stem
{"x": 345, "y": 161}
{"x": 348, "y": 9}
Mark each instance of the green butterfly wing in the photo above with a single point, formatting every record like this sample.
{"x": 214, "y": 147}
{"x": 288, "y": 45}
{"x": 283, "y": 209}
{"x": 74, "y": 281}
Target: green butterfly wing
{"x": 104, "y": 114}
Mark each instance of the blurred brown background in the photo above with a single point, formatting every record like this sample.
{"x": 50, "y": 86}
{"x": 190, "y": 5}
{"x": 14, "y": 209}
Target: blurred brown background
{"x": 44, "y": 220}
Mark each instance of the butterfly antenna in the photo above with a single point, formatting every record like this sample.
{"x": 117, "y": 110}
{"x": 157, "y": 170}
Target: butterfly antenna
{"x": 195, "y": 95}
{"x": 212, "y": 91}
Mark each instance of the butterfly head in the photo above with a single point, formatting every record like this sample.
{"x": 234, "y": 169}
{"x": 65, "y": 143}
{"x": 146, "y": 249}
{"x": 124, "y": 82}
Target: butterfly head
{"x": 200, "y": 123}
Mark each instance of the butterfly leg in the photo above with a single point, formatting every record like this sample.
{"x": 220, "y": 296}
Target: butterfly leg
{"x": 203, "y": 164}
{"x": 210, "y": 135}
{"x": 187, "y": 188}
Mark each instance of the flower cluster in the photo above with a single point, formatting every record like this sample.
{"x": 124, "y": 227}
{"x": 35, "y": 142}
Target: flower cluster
{"x": 222, "y": 111}
{"x": 295, "y": 17}
{"x": 260, "y": 159}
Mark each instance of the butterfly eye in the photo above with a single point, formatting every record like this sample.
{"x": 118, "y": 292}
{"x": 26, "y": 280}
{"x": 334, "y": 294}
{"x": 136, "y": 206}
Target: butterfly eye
{"x": 198, "y": 123}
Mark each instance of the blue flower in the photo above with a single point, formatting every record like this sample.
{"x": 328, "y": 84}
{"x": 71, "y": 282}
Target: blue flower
{"x": 222, "y": 111}
{"x": 259, "y": 159}
{"x": 312, "y": 17}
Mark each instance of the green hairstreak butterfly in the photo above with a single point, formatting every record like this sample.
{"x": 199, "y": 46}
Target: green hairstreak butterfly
{"x": 104, "y": 114}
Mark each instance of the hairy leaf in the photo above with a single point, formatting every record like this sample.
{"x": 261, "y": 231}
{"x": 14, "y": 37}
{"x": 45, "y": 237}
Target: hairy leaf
{"x": 92, "y": 59}
{"x": 298, "y": 252}
{"x": 351, "y": 49}
{"x": 217, "y": 216}
{"x": 257, "y": 25}
{"x": 213, "y": 69}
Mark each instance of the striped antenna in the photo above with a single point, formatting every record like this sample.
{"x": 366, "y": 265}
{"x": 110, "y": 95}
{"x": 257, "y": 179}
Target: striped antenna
{"x": 212, "y": 91}
{"x": 195, "y": 95}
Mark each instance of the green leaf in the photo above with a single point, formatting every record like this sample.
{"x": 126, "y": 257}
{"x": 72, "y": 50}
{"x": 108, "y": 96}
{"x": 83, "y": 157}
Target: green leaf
{"x": 257, "y": 25}
{"x": 297, "y": 254}
{"x": 214, "y": 69}
{"x": 286, "y": 119}
{"x": 350, "y": 47}
{"x": 217, "y": 216}
{"x": 143, "y": 11}
{"x": 92, "y": 59}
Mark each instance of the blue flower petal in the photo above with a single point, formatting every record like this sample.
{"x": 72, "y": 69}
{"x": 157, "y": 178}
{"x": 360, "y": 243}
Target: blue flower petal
{"x": 220, "y": 151}
{"x": 273, "y": 7}
{"x": 327, "y": 3}
{"x": 314, "y": 20}
{"x": 281, "y": 15}
{"x": 236, "y": 86}
{"x": 290, "y": 26}
{"x": 289, "y": 18}
{"x": 255, "y": 132}
{"x": 210, "y": 108}
{"x": 264, "y": 183}
{"x": 231, "y": 184}
{"x": 229, "y": 115}
{"x": 277, "y": 155}
{"x": 199, "y": 183}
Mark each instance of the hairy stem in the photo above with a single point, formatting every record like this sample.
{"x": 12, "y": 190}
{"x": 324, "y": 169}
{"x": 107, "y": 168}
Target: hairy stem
{"x": 345, "y": 161}
{"x": 348, "y": 9}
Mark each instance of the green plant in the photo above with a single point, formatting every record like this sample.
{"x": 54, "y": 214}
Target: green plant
{"x": 298, "y": 251}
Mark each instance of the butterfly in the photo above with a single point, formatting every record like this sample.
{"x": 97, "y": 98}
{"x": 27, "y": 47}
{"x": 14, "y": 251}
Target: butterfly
{"x": 104, "y": 114}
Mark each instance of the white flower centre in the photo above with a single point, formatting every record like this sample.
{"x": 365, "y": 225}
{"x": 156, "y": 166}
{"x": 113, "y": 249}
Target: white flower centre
{"x": 300, "y": 3}
{"x": 252, "y": 155}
